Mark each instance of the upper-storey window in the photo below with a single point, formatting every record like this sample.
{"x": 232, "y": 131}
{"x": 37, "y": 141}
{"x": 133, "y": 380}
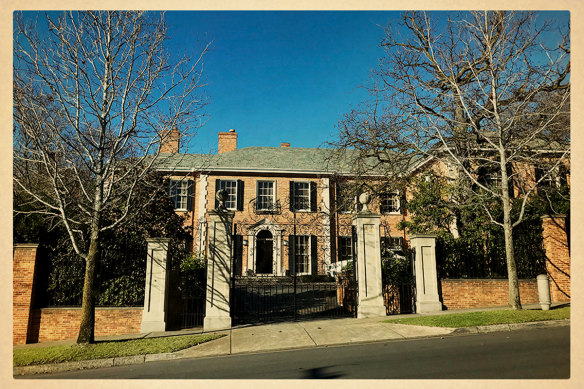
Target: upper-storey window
{"x": 390, "y": 203}
{"x": 180, "y": 192}
{"x": 345, "y": 197}
{"x": 302, "y": 196}
{"x": 266, "y": 195}
{"x": 234, "y": 190}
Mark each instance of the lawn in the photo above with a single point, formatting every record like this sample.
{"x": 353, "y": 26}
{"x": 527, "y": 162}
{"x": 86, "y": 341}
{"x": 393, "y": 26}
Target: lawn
{"x": 107, "y": 349}
{"x": 471, "y": 319}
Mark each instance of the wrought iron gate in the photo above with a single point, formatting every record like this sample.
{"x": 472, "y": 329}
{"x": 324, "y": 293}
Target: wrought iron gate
{"x": 399, "y": 288}
{"x": 271, "y": 298}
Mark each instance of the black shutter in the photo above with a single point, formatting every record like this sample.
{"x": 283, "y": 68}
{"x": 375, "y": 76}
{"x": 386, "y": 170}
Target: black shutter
{"x": 313, "y": 255}
{"x": 189, "y": 195}
{"x": 312, "y": 196}
{"x": 292, "y": 206}
{"x": 172, "y": 191}
{"x": 217, "y": 187}
{"x": 291, "y": 248}
{"x": 402, "y": 203}
{"x": 237, "y": 254}
{"x": 240, "y": 195}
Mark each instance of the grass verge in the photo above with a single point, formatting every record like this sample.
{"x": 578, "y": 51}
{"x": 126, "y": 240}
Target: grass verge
{"x": 483, "y": 318}
{"x": 107, "y": 349}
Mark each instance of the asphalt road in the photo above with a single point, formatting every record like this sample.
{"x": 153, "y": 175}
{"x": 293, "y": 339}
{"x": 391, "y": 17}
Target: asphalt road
{"x": 525, "y": 354}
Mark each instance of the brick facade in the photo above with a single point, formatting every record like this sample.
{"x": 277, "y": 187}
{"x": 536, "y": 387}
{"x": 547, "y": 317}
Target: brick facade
{"x": 24, "y": 274}
{"x": 555, "y": 243}
{"x": 324, "y": 224}
{"x": 50, "y": 324}
{"x": 483, "y": 293}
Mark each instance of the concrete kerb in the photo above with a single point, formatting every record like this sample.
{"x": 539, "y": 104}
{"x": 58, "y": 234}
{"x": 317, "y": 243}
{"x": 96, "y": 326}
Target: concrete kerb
{"x": 222, "y": 346}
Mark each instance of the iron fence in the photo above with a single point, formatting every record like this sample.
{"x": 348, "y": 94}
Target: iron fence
{"x": 278, "y": 298}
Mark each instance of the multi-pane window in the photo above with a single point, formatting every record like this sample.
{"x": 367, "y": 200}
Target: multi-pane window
{"x": 345, "y": 251}
{"x": 391, "y": 243}
{"x": 345, "y": 199}
{"x": 266, "y": 196}
{"x": 390, "y": 203}
{"x": 302, "y": 254}
{"x": 301, "y": 196}
{"x": 230, "y": 186}
{"x": 179, "y": 193}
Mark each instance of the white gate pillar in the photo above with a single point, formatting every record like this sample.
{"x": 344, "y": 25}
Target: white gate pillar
{"x": 370, "y": 301}
{"x": 217, "y": 314}
{"x": 156, "y": 289}
{"x": 427, "y": 299}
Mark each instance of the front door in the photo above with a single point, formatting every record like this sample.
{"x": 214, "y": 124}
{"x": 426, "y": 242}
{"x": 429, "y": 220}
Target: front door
{"x": 264, "y": 252}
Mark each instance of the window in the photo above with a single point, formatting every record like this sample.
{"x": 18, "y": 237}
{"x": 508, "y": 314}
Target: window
{"x": 390, "y": 203}
{"x": 345, "y": 252}
{"x": 180, "y": 193}
{"x": 230, "y": 186}
{"x": 302, "y": 196}
{"x": 554, "y": 179}
{"x": 266, "y": 196}
{"x": 234, "y": 190}
{"x": 302, "y": 254}
{"x": 345, "y": 200}
{"x": 391, "y": 243}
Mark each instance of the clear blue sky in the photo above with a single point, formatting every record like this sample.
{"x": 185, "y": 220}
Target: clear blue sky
{"x": 280, "y": 76}
{"x": 285, "y": 76}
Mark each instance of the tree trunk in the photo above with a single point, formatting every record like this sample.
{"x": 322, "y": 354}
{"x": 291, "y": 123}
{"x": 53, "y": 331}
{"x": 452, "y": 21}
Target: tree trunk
{"x": 514, "y": 298}
{"x": 87, "y": 326}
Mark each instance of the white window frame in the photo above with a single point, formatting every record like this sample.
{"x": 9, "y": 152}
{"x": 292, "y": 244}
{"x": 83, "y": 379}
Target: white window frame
{"x": 392, "y": 196}
{"x": 221, "y": 186}
{"x": 182, "y": 193}
{"x": 309, "y": 254}
{"x": 273, "y": 207}
{"x": 308, "y": 194}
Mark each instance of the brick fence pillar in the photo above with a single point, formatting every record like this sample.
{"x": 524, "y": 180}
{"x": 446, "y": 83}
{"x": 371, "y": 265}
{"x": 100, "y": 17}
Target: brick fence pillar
{"x": 555, "y": 244}
{"x": 23, "y": 273}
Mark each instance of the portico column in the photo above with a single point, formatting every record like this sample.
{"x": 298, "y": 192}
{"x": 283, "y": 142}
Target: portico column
{"x": 427, "y": 299}
{"x": 370, "y": 301}
{"x": 217, "y": 314}
{"x": 156, "y": 289}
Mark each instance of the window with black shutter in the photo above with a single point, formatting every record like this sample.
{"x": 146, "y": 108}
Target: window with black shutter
{"x": 231, "y": 188}
{"x": 301, "y": 198}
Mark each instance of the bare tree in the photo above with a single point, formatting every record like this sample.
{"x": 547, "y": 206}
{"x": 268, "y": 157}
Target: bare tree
{"x": 472, "y": 90}
{"x": 94, "y": 97}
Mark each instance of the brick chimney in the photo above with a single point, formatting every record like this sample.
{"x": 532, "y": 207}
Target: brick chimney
{"x": 284, "y": 144}
{"x": 169, "y": 142}
{"x": 227, "y": 141}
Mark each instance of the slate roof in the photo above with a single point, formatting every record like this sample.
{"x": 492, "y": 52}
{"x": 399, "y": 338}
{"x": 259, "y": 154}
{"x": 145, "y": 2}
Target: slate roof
{"x": 265, "y": 159}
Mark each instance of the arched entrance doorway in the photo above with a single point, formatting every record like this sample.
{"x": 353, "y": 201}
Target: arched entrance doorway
{"x": 264, "y": 252}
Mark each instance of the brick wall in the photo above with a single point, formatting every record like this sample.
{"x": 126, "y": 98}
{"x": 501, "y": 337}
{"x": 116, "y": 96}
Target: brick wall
{"x": 482, "y": 293}
{"x": 23, "y": 271}
{"x": 555, "y": 243}
{"x": 50, "y": 324}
